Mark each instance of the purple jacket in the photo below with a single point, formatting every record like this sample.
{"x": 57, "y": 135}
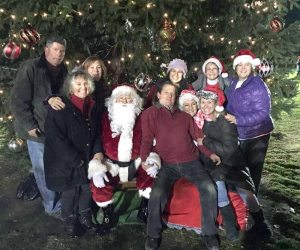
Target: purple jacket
{"x": 251, "y": 105}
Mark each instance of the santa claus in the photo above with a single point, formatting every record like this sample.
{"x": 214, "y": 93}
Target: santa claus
{"x": 121, "y": 136}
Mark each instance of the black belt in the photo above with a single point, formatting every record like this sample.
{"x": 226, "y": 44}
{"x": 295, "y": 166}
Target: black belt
{"x": 130, "y": 165}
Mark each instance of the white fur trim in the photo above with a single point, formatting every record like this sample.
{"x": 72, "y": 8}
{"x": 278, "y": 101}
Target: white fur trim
{"x": 219, "y": 108}
{"x": 215, "y": 61}
{"x": 123, "y": 90}
{"x": 123, "y": 174}
{"x": 246, "y": 59}
{"x": 145, "y": 192}
{"x": 154, "y": 159}
{"x": 137, "y": 162}
{"x": 96, "y": 167}
{"x": 105, "y": 203}
{"x": 212, "y": 82}
{"x": 112, "y": 168}
{"x": 187, "y": 96}
{"x": 224, "y": 75}
{"x": 125, "y": 145}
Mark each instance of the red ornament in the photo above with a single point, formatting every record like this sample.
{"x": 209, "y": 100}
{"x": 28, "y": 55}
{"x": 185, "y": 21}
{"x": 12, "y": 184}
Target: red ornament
{"x": 30, "y": 36}
{"x": 276, "y": 24}
{"x": 12, "y": 50}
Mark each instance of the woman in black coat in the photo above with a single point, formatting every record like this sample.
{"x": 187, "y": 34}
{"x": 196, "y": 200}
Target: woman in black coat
{"x": 221, "y": 137}
{"x": 71, "y": 141}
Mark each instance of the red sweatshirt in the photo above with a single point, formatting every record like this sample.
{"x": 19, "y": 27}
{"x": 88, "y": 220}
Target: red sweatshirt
{"x": 174, "y": 133}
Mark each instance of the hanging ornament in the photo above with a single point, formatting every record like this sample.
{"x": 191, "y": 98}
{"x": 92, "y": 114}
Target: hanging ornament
{"x": 142, "y": 82}
{"x": 276, "y": 24}
{"x": 265, "y": 68}
{"x": 167, "y": 34}
{"x": 256, "y": 4}
{"x": 12, "y": 50}
{"x": 16, "y": 145}
{"x": 30, "y": 36}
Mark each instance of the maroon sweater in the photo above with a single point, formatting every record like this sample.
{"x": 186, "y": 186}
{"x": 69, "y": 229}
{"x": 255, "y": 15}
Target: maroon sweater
{"x": 174, "y": 133}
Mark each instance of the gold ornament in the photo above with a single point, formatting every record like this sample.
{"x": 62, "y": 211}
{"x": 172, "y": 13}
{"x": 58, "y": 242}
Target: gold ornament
{"x": 167, "y": 34}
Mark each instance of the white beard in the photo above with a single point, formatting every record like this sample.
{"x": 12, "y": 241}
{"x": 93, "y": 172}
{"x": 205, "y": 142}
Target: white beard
{"x": 122, "y": 118}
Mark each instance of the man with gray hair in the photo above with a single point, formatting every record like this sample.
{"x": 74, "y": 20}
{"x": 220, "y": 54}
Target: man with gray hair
{"x": 36, "y": 81}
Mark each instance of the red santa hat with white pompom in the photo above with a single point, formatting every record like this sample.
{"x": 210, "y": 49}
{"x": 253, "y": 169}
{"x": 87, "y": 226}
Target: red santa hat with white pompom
{"x": 219, "y": 64}
{"x": 246, "y": 56}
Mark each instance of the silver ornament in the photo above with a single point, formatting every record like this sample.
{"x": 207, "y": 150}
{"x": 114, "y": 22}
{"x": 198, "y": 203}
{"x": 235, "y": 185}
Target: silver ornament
{"x": 142, "y": 82}
{"x": 16, "y": 145}
{"x": 265, "y": 68}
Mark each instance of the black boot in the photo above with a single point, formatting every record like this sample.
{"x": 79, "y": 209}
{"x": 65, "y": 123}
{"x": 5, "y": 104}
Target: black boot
{"x": 107, "y": 223}
{"x": 229, "y": 220}
{"x": 261, "y": 229}
{"x": 142, "y": 214}
{"x": 70, "y": 226}
{"x": 211, "y": 242}
{"x": 152, "y": 243}
{"x": 85, "y": 219}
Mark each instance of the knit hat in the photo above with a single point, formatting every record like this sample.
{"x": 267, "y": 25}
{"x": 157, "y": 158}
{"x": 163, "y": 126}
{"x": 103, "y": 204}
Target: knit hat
{"x": 187, "y": 95}
{"x": 245, "y": 56}
{"x": 219, "y": 64}
{"x": 178, "y": 64}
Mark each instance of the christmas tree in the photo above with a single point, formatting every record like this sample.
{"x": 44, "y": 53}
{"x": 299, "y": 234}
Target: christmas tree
{"x": 138, "y": 36}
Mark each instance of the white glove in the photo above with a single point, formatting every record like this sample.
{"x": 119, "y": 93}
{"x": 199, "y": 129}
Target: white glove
{"x": 99, "y": 179}
{"x": 153, "y": 170}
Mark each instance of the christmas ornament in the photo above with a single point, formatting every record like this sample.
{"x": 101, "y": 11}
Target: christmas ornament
{"x": 30, "y": 36}
{"x": 12, "y": 50}
{"x": 142, "y": 82}
{"x": 16, "y": 145}
{"x": 256, "y": 4}
{"x": 276, "y": 24}
{"x": 265, "y": 68}
{"x": 167, "y": 34}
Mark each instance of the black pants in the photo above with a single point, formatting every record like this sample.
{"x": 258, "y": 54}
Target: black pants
{"x": 254, "y": 151}
{"x": 76, "y": 200}
{"x": 161, "y": 189}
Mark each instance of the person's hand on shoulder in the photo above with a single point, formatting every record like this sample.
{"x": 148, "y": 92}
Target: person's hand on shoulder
{"x": 56, "y": 103}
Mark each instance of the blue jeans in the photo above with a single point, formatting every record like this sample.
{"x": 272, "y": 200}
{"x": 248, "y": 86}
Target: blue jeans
{"x": 36, "y": 154}
{"x": 222, "y": 194}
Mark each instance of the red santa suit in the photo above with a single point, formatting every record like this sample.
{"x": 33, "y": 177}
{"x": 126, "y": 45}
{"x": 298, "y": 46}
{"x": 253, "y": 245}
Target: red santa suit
{"x": 123, "y": 162}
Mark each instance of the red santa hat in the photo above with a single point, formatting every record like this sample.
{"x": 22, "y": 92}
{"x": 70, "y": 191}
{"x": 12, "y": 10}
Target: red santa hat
{"x": 178, "y": 64}
{"x": 186, "y": 95}
{"x": 219, "y": 64}
{"x": 245, "y": 56}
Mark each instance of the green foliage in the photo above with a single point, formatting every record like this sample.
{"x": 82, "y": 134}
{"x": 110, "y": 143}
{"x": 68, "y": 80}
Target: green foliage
{"x": 125, "y": 33}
